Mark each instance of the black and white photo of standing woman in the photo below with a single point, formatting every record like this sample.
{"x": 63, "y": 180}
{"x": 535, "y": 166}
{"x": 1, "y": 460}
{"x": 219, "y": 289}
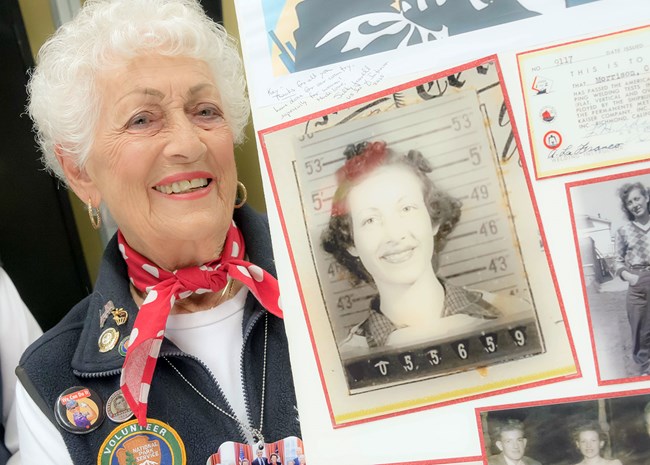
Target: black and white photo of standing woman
{"x": 633, "y": 265}
{"x": 611, "y": 220}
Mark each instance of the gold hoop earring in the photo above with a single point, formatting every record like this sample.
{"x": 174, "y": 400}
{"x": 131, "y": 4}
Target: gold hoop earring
{"x": 242, "y": 194}
{"x": 94, "y": 215}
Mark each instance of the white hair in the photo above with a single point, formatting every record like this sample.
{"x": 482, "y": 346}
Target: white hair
{"x": 63, "y": 97}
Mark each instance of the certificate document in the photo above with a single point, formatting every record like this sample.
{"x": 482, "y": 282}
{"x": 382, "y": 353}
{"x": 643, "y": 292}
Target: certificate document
{"x": 588, "y": 102}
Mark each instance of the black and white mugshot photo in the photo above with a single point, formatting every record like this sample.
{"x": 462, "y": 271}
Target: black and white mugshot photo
{"x": 415, "y": 246}
{"x": 612, "y": 228}
{"x": 603, "y": 431}
{"x": 416, "y": 253}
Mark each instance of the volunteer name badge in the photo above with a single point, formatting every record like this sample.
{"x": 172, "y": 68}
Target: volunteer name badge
{"x": 154, "y": 444}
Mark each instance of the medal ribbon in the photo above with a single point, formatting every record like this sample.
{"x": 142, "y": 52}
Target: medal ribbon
{"x": 163, "y": 289}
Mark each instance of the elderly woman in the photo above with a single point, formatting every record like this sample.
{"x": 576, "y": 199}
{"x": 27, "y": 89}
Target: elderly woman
{"x": 633, "y": 265}
{"x": 388, "y": 237}
{"x": 137, "y": 105}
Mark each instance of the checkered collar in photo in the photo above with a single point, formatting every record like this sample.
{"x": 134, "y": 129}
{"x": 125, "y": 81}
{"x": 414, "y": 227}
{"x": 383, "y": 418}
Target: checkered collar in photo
{"x": 377, "y": 327}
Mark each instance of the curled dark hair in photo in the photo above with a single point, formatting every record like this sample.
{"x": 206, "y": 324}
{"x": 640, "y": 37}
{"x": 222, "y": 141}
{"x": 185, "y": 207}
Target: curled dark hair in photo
{"x": 362, "y": 159}
{"x": 510, "y": 424}
{"x": 590, "y": 425}
{"x": 624, "y": 192}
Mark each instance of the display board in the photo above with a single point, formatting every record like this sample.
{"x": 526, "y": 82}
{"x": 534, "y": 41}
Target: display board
{"x": 493, "y": 249}
{"x": 457, "y": 193}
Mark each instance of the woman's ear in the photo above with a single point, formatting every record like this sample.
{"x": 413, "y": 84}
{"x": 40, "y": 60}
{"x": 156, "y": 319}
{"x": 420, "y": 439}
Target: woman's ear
{"x": 352, "y": 250}
{"x": 77, "y": 177}
{"x": 435, "y": 227}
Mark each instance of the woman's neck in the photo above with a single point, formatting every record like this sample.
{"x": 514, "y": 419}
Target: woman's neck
{"x": 195, "y": 302}
{"x": 176, "y": 251}
{"x": 418, "y": 304}
{"x": 643, "y": 219}
{"x": 185, "y": 254}
{"x": 593, "y": 460}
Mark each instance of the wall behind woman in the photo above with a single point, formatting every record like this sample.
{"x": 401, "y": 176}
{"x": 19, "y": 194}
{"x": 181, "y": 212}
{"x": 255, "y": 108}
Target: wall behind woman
{"x": 37, "y": 16}
{"x": 246, "y": 154}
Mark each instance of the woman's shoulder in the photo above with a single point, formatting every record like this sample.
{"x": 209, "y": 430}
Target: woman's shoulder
{"x": 353, "y": 342}
{"x": 461, "y": 300}
{"x": 507, "y": 303}
{"x": 63, "y": 337}
{"x": 484, "y": 304}
{"x": 45, "y": 366}
{"x": 373, "y": 331}
{"x": 624, "y": 228}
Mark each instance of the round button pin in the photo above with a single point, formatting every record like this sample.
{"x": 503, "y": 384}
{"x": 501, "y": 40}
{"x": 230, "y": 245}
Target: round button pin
{"x": 117, "y": 409}
{"x": 108, "y": 339}
{"x": 79, "y": 410}
{"x": 124, "y": 345}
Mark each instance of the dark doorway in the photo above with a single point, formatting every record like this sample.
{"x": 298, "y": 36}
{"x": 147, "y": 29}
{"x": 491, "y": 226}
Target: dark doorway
{"x": 39, "y": 243}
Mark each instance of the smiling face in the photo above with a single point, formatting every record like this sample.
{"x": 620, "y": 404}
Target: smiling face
{"x": 589, "y": 443}
{"x": 636, "y": 203}
{"x": 512, "y": 444}
{"x": 162, "y": 160}
{"x": 392, "y": 230}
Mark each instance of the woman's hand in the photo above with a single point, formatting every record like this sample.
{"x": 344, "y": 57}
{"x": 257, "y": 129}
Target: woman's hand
{"x": 630, "y": 277}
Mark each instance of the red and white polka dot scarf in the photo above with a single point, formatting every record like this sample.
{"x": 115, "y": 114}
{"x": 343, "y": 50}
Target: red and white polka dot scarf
{"x": 163, "y": 289}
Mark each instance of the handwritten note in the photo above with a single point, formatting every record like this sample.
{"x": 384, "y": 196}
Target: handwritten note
{"x": 338, "y": 83}
{"x": 588, "y": 102}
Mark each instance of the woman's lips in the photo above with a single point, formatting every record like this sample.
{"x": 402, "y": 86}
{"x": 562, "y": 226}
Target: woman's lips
{"x": 184, "y": 186}
{"x": 184, "y": 183}
{"x": 399, "y": 256}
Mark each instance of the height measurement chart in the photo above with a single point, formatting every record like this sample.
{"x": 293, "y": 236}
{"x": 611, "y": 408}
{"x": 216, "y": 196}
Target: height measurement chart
{"x": 447, "y": 218}
{"x": 588, "y": 102}
{"x": 480, "y": 253}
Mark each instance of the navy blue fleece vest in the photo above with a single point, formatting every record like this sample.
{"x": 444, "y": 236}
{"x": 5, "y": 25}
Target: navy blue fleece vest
{"x": 68, "y": 356}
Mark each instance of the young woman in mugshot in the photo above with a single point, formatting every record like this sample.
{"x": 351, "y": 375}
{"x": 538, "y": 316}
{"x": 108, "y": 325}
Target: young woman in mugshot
{"x": 388, "y": 222}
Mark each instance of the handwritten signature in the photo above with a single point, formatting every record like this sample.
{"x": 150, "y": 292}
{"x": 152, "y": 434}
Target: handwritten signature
{"x": 584, "y": 149}
{"x": 637, "y": 130}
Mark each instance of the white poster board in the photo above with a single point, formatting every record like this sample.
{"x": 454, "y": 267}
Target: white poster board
{"x": 288, "y": 105}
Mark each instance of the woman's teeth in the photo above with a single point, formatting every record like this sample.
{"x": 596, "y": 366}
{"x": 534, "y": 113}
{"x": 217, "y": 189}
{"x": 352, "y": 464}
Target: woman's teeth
{"x": 398, "y": 257}
{"x": 182, "y": 187}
